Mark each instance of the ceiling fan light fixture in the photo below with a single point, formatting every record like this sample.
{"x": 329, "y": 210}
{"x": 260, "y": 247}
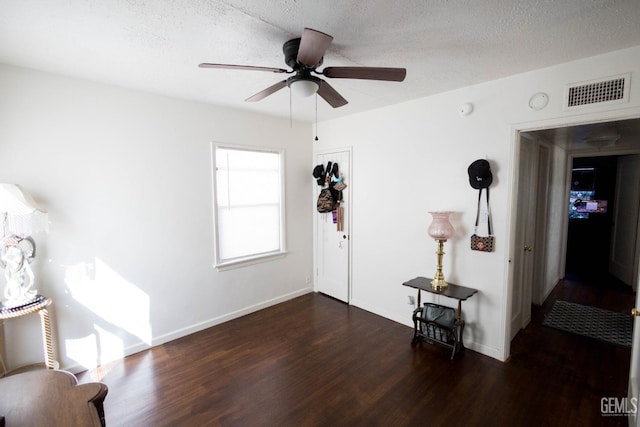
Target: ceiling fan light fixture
{"x": 304, "y": 88}
{"x": 602, "y": 140}
{"x": 304, "y": 55}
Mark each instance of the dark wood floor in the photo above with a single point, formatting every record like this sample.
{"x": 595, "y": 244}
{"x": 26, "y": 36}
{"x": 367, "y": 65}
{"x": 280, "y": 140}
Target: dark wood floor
{"x": 314, "y": 361}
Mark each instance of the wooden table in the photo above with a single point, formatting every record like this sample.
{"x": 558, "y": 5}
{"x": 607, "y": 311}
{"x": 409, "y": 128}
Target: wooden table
{"x": 457, "y": 292}
{"x": 453, "y": 291}
{"x": 46, "y": 397}
{"x": 38, "y": 305}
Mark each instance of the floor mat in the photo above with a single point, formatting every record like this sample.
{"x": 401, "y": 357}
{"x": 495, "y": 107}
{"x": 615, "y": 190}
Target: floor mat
{"x": 592, "y": 322}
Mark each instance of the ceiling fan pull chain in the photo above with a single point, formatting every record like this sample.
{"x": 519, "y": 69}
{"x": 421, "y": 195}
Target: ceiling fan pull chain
{"x": 316, "y": 116}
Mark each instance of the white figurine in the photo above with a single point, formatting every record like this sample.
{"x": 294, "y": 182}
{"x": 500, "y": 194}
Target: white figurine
{"x": 20, "y": 280}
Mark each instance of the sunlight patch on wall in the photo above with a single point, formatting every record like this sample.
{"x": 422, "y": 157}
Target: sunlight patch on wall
{"x": 84, "y": 350}
{"x": 119, "y": 305}
{"x": 95, "y": 349}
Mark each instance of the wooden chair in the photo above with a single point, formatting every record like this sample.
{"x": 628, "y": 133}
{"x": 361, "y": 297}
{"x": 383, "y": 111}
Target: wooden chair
{"x": 52, "y": 398}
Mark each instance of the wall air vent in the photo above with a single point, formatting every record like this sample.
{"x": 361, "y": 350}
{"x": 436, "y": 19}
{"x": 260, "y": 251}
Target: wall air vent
{"x": 603, "y": 91}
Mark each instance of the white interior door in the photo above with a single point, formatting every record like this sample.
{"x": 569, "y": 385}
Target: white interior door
{"x": 538, "y": 227}
{"x": 623, "y": 256}
{"x": 525, "y": 228}
{"x": 333, "y": 246}
{"x": 634, "y": 370}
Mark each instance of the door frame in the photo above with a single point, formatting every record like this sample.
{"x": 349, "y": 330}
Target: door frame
{"x": 516, "y": 129}
{"x": 348, "y": 217}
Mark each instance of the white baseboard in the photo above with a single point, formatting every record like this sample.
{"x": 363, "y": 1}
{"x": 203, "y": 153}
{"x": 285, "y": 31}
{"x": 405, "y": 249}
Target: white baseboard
{"x": 226, "y": 317}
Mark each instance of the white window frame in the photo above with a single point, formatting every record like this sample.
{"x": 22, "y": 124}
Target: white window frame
{"x": 223, "y": 264}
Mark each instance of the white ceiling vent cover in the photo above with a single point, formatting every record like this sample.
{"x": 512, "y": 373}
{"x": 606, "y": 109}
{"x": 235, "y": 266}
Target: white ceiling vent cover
{"x": 611, "y": 90}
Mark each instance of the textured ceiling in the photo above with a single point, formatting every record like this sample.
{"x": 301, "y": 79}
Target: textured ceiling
{"x": 156, "y": 45}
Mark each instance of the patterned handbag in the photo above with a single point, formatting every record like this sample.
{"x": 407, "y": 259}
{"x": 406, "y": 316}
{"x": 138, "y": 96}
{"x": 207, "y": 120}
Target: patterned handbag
{"x": 483, "y": 243}
{"x": 326, "y": 202}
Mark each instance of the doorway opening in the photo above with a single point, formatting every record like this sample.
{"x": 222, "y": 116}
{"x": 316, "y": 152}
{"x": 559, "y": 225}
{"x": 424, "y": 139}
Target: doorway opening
{"x": 554, "y": 247}
{"x": 607, "y": 287}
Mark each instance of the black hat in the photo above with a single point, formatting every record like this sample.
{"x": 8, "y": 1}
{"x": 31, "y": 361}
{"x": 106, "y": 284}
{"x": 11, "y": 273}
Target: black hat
{"x": 480, "y": 174}
{"x": 318, "y": 171}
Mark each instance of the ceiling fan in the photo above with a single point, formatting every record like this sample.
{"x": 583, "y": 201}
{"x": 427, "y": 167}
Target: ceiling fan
{"x": 304, "y": 55}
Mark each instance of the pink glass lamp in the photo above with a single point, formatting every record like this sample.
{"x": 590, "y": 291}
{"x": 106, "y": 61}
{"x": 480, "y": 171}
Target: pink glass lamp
{"x": 440, "y": 230}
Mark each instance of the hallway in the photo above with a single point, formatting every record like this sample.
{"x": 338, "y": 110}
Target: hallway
{"x": 602, "y": 369}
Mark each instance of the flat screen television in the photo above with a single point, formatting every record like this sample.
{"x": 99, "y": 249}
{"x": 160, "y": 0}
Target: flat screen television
{"x": 590, "y": 206}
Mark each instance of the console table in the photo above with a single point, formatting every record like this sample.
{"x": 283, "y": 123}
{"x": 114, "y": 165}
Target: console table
{"x": 38, "y": 305}
{"x": 453, "y": 291}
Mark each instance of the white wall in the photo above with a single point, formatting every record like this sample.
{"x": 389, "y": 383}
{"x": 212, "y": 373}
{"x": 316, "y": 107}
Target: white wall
{"x": 412, "y": 158}
{"x": 126, "y": 177}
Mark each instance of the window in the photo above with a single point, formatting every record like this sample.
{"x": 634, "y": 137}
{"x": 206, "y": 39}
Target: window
{"x": 248, "y": 202}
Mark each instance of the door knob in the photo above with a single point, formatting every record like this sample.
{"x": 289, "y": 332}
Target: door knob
{"x": 635, "y": 312}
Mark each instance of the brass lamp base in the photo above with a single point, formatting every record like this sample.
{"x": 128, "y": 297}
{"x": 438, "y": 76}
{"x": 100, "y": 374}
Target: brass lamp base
{"x": 439, "y": 284}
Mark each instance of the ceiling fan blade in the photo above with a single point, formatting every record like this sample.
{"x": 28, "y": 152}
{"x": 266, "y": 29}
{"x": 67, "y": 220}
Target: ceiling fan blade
{"x": 366, "y": 73}
{"x": 313, "y": 45}
{"x": 242, "y": 67}
{"x": 329, "y": 94}
{"x": 268, "y": 91}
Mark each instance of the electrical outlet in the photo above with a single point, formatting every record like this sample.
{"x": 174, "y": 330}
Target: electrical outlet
{"x": 412, "y": 300}
{"x": 307, "y": 280}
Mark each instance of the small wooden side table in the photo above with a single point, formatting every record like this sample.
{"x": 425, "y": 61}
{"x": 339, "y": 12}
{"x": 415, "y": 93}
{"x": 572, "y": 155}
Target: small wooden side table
{"x": 457, "y": 292}
{"x": 38, "y": 305}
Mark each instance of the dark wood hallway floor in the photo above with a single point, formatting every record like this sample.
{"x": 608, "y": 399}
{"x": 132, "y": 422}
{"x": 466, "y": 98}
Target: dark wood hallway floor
{"x": 314, "y": 361}
{"x": 562, "y": 361}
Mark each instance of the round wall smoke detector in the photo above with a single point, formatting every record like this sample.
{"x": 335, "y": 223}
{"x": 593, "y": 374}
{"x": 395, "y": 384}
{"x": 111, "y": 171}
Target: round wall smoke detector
{"x": 466, "y": 109}
{"x": 538, "y": 101}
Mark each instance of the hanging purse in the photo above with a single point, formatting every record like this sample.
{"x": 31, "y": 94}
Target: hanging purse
{"x": 483, "y": 243}
{"x": 326, "y": 201}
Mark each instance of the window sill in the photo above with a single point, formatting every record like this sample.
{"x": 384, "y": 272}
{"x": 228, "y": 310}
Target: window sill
{"x": 244, "y": 262}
